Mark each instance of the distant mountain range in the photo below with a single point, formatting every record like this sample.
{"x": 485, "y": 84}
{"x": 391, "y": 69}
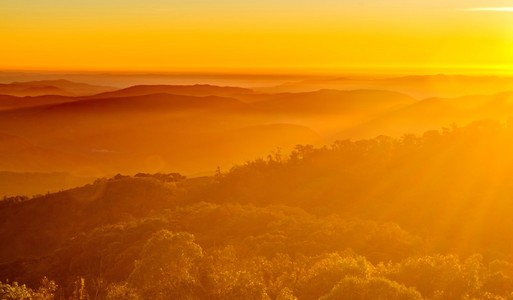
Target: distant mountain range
{"x": 51, "y": 87}
{"x": 434, "y": 113}
{"x": 184, "y": 90}
{"x": 419, "y": 86}
{"x": 196, "y": 128}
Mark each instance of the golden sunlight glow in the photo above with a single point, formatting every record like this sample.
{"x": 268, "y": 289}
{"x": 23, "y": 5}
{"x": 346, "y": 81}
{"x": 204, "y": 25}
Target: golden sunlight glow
{"x": 266, "y": 149}
{"x": 264, "y": 36}
{"x": 503, "y": 9}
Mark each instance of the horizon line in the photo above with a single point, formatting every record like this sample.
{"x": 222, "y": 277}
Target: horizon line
{"x": 484, "y": 70}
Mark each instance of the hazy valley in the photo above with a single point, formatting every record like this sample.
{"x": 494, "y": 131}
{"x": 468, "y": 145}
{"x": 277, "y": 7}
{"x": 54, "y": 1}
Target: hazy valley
{"x": 319, "y": 189}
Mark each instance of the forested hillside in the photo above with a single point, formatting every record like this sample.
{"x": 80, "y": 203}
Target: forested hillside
{"x": 416, "y": 217}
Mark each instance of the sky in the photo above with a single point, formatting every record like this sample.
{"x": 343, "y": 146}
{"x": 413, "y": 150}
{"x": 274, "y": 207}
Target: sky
{"x": 256, "y": 36}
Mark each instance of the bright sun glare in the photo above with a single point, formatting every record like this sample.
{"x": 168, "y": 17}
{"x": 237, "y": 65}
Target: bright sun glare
{"x": 500, "y": 9}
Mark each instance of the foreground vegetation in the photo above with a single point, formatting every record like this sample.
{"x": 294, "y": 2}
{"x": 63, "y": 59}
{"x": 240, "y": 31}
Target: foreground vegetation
{"x": 420, "y": 217}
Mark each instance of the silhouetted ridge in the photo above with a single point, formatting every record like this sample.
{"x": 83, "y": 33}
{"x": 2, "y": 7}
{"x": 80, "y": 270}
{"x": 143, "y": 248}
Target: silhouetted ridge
{"x": 434, "y": 113}
{"x": 407, "y": 215}
{"x": 17, "y": 102}
{"x": 334, "y": 101}
{"x": 51, "y": 87}
{"x": 153, "y": 102}
{"x": 184, "y": 90}
{"x": 80, "y": 209}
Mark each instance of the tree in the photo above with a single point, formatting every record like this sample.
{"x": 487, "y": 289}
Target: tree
{"x": 168, "y": 268}
{"x": 374, "y": 288}
{"x": 14, "y": 291}
{"x": 46, "y": 290}
{"x": 121, "y": 291}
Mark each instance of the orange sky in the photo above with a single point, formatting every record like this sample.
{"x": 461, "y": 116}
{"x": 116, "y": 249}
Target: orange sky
{"x": 198, "y": 35}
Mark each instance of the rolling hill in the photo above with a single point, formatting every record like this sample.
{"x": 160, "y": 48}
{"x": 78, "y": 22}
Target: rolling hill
{"x": 419, "y": 86}
{"x": 395, "y": 211}
{"x": 435, "y": 113}
{"x": 359, "y": 102}
{"x": 155, "y": 132}
{"x": 145, "y": 128}
{"x": 183, "y": 90}
{"x": 19, "y": 154}
{"x": 51, "y": 87}
{"x": 13, "y": 102}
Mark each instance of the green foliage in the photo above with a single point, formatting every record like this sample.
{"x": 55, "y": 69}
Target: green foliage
{"x": 328, "y": 270}
{"x": 168, "y": 177}
{"x": 15, "y": 291}
{"x": 374, "y": 288}
{"x": 46, "y": 290}
{"x": 226, "y": 276}
{"x": 440, "y": 277}
{"x": 355, "y": 220}
{"x": 168, "y": 266}
{"x": 121, "y": 292}
{"x": 286, "y": 294}
{"x": 79, "y": 292}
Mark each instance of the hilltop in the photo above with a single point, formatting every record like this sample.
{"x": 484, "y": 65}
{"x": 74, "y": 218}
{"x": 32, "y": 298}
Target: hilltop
{"x": 305, "y": 225}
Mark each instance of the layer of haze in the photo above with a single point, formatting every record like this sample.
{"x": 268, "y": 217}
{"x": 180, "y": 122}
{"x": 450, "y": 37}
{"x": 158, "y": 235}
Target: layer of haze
{"x": 255, "y": 35}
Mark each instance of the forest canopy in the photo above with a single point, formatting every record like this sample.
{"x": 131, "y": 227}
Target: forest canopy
{"x": 417, "y": 217}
